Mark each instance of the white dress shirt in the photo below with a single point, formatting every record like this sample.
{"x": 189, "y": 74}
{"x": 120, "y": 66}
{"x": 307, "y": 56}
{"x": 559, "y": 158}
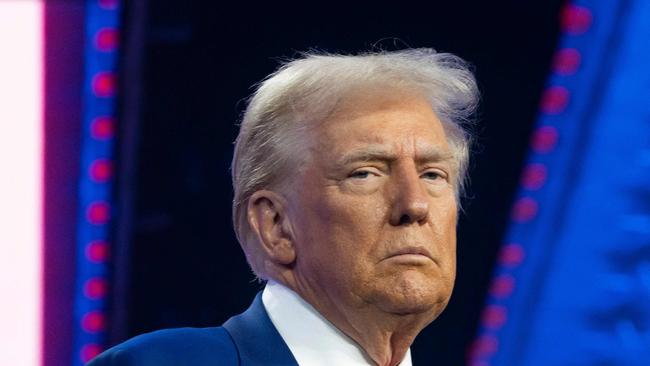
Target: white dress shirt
{"x": 312, "y": 339}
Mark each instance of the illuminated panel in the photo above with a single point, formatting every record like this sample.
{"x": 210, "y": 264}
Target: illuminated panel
{"x": 20, "y": 187}
{"x": 572, "y": 282}
{"x": 96, "y": 209}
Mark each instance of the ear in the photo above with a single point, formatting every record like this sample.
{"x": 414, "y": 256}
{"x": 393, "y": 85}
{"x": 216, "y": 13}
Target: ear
{"x": 267, "y": 217}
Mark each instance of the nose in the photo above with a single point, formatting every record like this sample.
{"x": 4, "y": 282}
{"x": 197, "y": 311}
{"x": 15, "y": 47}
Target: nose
{"x": 411, "y": 202}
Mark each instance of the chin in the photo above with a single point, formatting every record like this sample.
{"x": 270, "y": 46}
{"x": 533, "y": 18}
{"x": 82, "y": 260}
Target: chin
{"x": 414, "y": 293}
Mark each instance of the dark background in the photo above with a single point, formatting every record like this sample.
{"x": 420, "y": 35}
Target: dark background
{"x": 187, "y": 68}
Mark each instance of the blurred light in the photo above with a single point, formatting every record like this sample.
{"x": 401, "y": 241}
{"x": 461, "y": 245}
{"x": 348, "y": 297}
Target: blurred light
{"x": 575, "y": 19}
{"x": 511, "y": 255}
{"x": 480, "y": 363}
{"x": 502, "y": 286}
{"x": 97, "y": 251}
{"x": 102, "y": 23}
{"x": 93, "y": 322}
{"x": 525, "y": 209}
{"x": 95, "y": 288}
{"x": 544, "y": 139}
{"x": 102, "y": 128}
{"x": 534, "y": 176}
{"x": 494, "y": 316}
{"x": 21, "y": 195}
{"x": 483, "y": 346}
{"x": 567, "y": 61}
{"x": 106, "y": 39}
{"x": 101, "y": 170}
{"x": 89, "y": 351}
{"x": 99, "y": 213}
{"x": 554, "y": 100}
{"x": 104, "y": 84}
{"x": 108, "y": 4}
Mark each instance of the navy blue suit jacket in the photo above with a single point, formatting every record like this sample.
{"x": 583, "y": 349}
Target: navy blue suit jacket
{"x": 248, "y": 339}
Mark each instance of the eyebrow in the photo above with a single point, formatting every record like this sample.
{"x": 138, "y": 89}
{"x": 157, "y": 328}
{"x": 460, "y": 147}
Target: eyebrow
{"x": 381, "y": 153}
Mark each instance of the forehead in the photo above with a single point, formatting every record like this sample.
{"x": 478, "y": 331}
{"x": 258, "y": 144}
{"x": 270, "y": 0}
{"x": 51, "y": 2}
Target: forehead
{"x": 398, "y": 122}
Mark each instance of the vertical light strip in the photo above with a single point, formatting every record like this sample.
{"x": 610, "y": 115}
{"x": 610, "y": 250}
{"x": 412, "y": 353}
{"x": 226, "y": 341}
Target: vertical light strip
{"x": 96, "y": 207}
{"x": 21, "y": 146}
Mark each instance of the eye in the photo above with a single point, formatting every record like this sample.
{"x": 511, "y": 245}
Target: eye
{"x": 365, "y": 173}
{"x": 360, "y": 174}
{"x": 434, "y": 175}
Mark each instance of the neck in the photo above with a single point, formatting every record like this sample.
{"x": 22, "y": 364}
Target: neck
{"x": 384, "y": 337}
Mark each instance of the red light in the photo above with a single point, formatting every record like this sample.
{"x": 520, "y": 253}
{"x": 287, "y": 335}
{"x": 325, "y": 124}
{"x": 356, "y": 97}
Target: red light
{"x": 95, "y": 288}
{"x": 93, "y": 322}
{"x": 502, "y": 286}
{"x": 534, "y": 176}
{"x": 101, "y": 170}
{"x": 106, "y": 39}
{"x": 575, "y": 19}
{"x": 104, "y": 84}
{"x": 97, "y": 251}
{"x": 554, "y": 100}
{"x": 525, "y": 209}
{"x": 108, "y": 4}
{"x": 544, "y": 139}
{"x": 566, "y": 61}
{"x": 511, "y": 255}
{"x": 90, "y": 351}
{"x": 494, "y": 316}
{"x": 483, "y": 346}
{"x": 102, "y": 128}
{"x": 98, "y": 213}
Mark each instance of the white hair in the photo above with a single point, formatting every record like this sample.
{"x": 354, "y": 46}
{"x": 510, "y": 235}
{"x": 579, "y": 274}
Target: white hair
{"x": 304, "y": 91}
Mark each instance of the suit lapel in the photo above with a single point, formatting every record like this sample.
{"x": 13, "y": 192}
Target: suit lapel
{"x": 257, "y": 340}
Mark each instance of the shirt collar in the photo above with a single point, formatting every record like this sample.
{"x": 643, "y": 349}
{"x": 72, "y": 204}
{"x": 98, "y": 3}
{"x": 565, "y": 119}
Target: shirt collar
{"x": 312, "y": 339}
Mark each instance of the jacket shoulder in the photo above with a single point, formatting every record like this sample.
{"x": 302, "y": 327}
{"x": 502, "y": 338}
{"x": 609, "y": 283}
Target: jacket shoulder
{"x": 182, "y": 346}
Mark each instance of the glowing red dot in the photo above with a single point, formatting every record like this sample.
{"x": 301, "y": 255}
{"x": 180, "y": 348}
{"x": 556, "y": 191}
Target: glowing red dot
{"x": 534, "y": 176}
{"x": 104, "y": 84}
{"x": 102, "y": 128}
{"x": 93, "y": 322}
{"x": 566, "y": 61}
{"x": 502, "y": 286}
{"x": 511, "y": 255}
{"x": 554, "y": 100}
{"x": 95, "y": 288}
{"x": 524, "y": 209}
{"x": 98, "y": 213}
{"x": 90, "y": 351}
{"x": 483, "y": 346}
{"x": 106, "y": 39}
{"x": 575, "y": 19}
{"x": 101, "y": 170}
{"x": 97, "y": 251}
{"x": 544, "y": 139}
{"x": 494, "y": 316}
{"x": 108, "y": 4}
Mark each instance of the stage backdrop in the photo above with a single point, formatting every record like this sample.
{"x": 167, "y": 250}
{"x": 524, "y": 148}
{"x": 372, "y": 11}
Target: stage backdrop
{"x": 573, "y": 283}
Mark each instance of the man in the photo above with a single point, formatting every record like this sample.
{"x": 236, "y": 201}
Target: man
{"x": 347, "y": 174}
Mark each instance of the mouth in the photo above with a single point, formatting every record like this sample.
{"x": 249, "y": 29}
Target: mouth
{"x": 409, "y": 254}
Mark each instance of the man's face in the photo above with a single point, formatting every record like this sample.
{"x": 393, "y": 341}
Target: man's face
{"x": 373, "y": 208}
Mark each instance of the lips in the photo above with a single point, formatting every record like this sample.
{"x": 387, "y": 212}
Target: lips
{"x": 412, "y": 251}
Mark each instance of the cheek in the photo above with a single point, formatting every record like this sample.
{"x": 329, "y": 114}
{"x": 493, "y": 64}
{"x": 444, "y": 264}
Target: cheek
{"x": 348, "y": 214}
{"x": 344, "y": 231}
{"x": 445, "y": 212}
{"x": 445, "y": 221}
{"x": 359, "y": 221}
